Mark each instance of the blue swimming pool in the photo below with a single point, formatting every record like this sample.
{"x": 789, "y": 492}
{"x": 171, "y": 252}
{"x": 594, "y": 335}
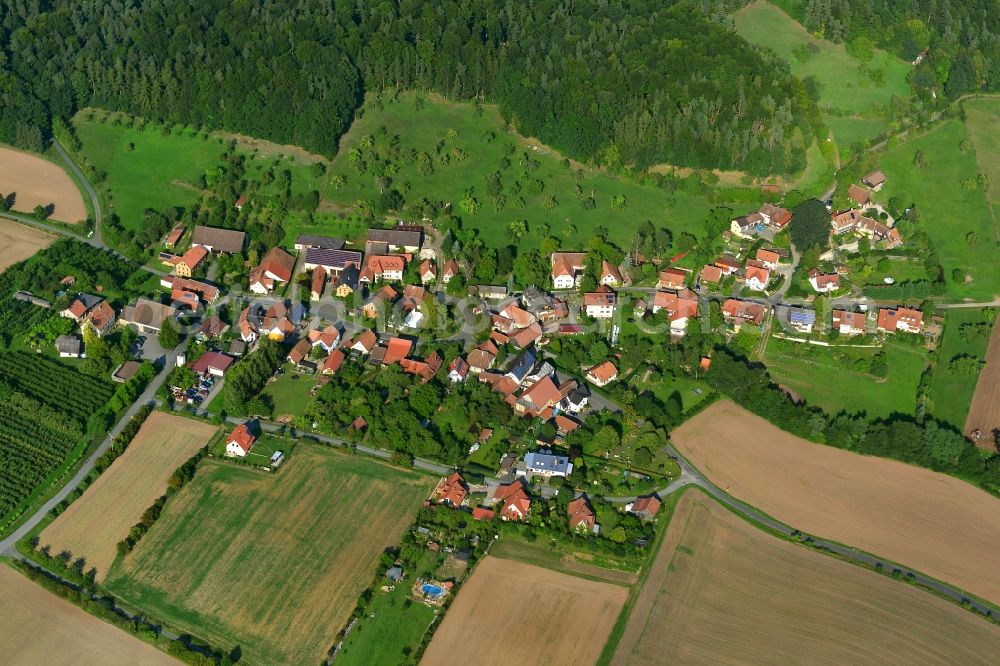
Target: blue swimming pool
{"x": 431, "y": 590}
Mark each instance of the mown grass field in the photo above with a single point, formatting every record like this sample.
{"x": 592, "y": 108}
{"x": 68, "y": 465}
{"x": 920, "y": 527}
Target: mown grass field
{"x": 271, "y": 563}
{"x": 421, "y": 129}
{"x": 982, "y": 120}
{"x": 948, "y": 210}
{"x": 388, "y": 634}
{"x": 951, "y": 393}
{"x": 723, "y": 591}
{"x": 290, "y": 392}
{"x": 846, "y": 91}
{"x": 824, "y": 377}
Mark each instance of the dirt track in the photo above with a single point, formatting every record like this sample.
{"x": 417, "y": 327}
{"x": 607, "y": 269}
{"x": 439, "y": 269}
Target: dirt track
{"x": 984, "y": 412}
{"x": 93, "y": 525}
{"x": 37, "y": 627}
{"x": 940, "y": 525}
{"x": 18, "y": 242}
{"x": 722, "y": 591}
{"x": 514, "y": 613}
{"x": 37, "y": 182}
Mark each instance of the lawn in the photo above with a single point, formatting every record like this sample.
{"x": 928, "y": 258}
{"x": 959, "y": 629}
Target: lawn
{"x": 845, "y": 89}
{"x": 273, "y": 564}
{"x": 290, "y": 393}
{"x": 825, "y": 377}
{"x": 389, "y": 633}
{"x": 158, "y": 168}
{"x": 951, "y": 393}
{"x": 459, "y": 128}
{"x": 948, "y": 211}
{"x": 982, "y": 117}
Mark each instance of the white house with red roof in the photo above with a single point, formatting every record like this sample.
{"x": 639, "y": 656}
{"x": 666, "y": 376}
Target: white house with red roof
{"x": 240, "y": 441}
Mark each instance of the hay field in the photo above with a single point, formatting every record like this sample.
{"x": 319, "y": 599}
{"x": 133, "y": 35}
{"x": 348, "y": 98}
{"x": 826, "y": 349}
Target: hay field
{"x": 37, "y": 182}
{"x": 272, "y": 563}
{"x": 984, "y": 412}
{"x": 938, "y": 524}
{"x": 18, "y": 242}
{"x": 510, "y": 612}
{"x": 93, "y": 525}
{"x": 37, "y": 627}
{"x": 721, "y": 592}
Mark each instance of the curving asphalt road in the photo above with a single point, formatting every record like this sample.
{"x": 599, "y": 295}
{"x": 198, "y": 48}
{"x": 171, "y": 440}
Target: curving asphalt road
{"x": 95, "y": 201}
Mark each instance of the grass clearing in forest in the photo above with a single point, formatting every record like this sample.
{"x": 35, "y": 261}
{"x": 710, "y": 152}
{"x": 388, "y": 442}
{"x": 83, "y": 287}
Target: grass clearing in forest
{"x": 847, "y": 91}
{"x": 722, "y": 591}
{"x": 511, "y": 612}
{"x": 836, "y": 379}
{"x": 35, "y": 181}
{"x": 941, "y": 526}
{"x": 950, "y": 205}
{"x": 482, "y": 138}
{"x": 273, "y": 563}
{"x": 93, "y": 525}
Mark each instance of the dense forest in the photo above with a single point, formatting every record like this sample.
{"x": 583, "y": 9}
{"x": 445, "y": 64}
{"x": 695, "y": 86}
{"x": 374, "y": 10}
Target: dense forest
{"x": 606, "y": 81}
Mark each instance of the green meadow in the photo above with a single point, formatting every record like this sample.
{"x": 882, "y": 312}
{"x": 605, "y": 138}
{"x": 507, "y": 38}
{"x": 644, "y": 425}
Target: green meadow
{"x": 825, "y": 377}
{"x": 950, "y": 204}
{"x": 951, "y": 393}
{"x": 481, "y": 136}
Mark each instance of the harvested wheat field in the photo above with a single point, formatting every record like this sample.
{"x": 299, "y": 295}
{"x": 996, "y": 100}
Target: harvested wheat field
{"x": 18, "y": 242}
{"x": 721, "y": 592}
{"x": 984, "y": 413}
{"x": 34, "y": 181}
{"x": 515, "y": 613}
{"x": 37, "y": 627}
{"x": 940, "y": 525}
{"x": 93, "y": 525}
{"x": 272, "y": 563}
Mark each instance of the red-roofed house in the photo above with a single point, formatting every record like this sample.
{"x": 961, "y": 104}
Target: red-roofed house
{"x": 526, "y": 336}
{"x": 602, "y": 374}
{"x": 775, "y": 216}
{"x": 679, "y": 306}
{"x": 671, "y": 278}
{"x": 858, "y": 195}
{"x": 383, "y": 267}
{"x": 451, "y": 490}
{"x": 768, "y": 258}
{"x": 482, "y": 513}
{"x": 600, "y": 304}
{"x": 364, "y": 342}
{"x": 567, "y": 269}
{"x": 581, "y": 515}
{"x": 212, "y": 363}
{"x": 907, "y": 320}
{"x": 644, "y": 507}
{"x": 611, "y": 275}
{"x": 848, "y": 323}
{"x": 333, "y": 362}
{"x": 564, "y": 424}
{"x": 396, "y": 350}
{"x": 543, "y": 394}
{"x": 451, "y": 269}
{"x": 824, "y": 282}
{"x": 458, "y": 369}
{"x": 318, "y": 283}
{"x": 276, "y": 266}
{"x": 728, "y": 264}
{"x": 757, "y": 277}
{"x": 738, "y": 312}
{"x": 299, "y": 352}
{"x": 102, "y": 318}
{"x": 516, "y": 502}
{"x": 711, "y": 274}
{"x": 240, "y": 441}
{"x": 425, "y": 369}
{"x": 328, "y": 338}
{"x": 185, "y": 265}
{"x": 427, "y": 271}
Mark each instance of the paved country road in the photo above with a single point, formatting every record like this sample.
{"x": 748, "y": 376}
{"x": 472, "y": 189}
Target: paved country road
{"x": 95, "y": 201}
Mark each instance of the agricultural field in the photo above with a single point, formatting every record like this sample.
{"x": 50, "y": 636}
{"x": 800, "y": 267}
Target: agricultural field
{"x": 272, "y": 563}
{"x": 18, "y": 242}
{"x": 482, "y": 140}
{"x": 723, "y": 591}
{"x": 855, "y": 102}
{"x": 984, "y": 412}
{"x": 838, "y": 378}
{"x": 35, "y": 181}
{"x": 982, "y": 117}
{"x": 93, "y": 525}
{"x": 952, "y": 207}
{"x": 153, "y": 167}
{"x": 940, "y": 525}
{"x": 951, "y": 391}
{"x": 511, "y": 612}
{"x": 45, "y": 417}
{"x": 38, "y": 627}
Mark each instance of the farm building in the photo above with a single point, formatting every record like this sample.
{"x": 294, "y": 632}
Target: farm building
{"x": 219, "y": 240}
{"x": 307, "y": 242}
{"x": 212, "y": 363}
{"x": 146, "y": 315}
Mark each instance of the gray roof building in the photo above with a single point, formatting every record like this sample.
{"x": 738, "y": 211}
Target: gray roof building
{"x": 403, "y": 239}
{"x": 545, "y": 463}
{"x": 305, "y": 241}
{"x": 219, "y": 240}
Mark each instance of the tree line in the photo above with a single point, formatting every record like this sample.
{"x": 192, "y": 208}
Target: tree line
{"x": 613, "y": 82}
